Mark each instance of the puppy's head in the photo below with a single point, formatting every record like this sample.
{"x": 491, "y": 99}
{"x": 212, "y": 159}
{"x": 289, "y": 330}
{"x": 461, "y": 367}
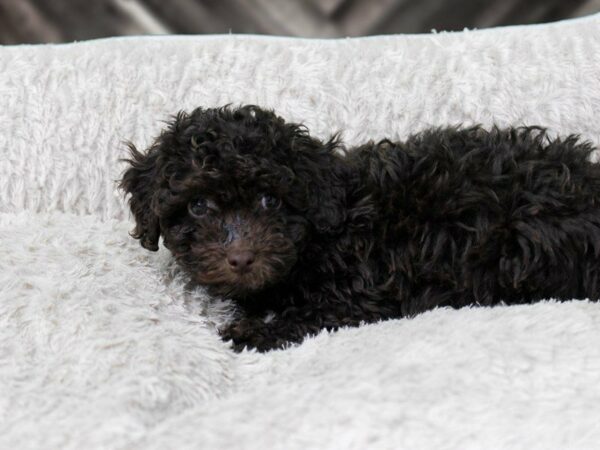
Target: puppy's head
{"x": 236, "y": 193}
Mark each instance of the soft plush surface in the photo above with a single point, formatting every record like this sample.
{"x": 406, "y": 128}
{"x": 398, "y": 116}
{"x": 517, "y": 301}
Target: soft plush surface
{"x": 103, "y": 345}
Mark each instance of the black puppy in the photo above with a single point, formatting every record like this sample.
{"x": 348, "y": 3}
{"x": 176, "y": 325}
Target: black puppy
{"x": 305, "y": 235}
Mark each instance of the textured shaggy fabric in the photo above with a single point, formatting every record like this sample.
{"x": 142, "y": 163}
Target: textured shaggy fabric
{"x": 103, "y": 345}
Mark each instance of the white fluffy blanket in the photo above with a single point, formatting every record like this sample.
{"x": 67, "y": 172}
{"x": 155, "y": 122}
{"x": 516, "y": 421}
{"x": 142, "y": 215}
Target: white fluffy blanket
{"x": 102, "y": 345}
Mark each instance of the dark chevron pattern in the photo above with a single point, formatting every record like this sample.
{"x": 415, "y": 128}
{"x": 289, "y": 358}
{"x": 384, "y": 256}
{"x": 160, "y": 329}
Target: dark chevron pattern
{"x": 36, "y": 21}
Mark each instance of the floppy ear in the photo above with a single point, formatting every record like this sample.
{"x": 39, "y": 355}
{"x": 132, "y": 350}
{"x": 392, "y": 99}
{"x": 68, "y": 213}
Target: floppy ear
{"x": 140, "y": 181}
{"x": 325, "y": 174}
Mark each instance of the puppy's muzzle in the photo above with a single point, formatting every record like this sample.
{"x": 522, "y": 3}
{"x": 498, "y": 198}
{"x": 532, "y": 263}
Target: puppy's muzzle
{"x": 239, "y": 257}
{"x": 240, "y": 260}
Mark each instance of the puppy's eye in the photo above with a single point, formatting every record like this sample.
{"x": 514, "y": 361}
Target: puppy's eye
{"x": 201, "y": 206}
{"x": 270, "y": 202}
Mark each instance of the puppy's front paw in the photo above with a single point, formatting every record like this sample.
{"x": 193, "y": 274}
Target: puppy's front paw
{"x": 251, "y": 334}
{"x": 239, "y": 333}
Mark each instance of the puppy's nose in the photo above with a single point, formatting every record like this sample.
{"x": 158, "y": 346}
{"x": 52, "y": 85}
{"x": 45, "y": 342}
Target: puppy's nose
{"x": 240, "y": 260}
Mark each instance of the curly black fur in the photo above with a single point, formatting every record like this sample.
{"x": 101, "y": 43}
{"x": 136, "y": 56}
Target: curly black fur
{"x": 317, "y": 236}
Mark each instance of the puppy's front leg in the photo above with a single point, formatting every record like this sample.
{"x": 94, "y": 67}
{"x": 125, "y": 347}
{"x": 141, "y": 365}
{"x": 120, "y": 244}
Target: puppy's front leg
{"x": 255, "y": 332}
{"x": 290, "y": 326}
{"x": 249, "y": 332}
